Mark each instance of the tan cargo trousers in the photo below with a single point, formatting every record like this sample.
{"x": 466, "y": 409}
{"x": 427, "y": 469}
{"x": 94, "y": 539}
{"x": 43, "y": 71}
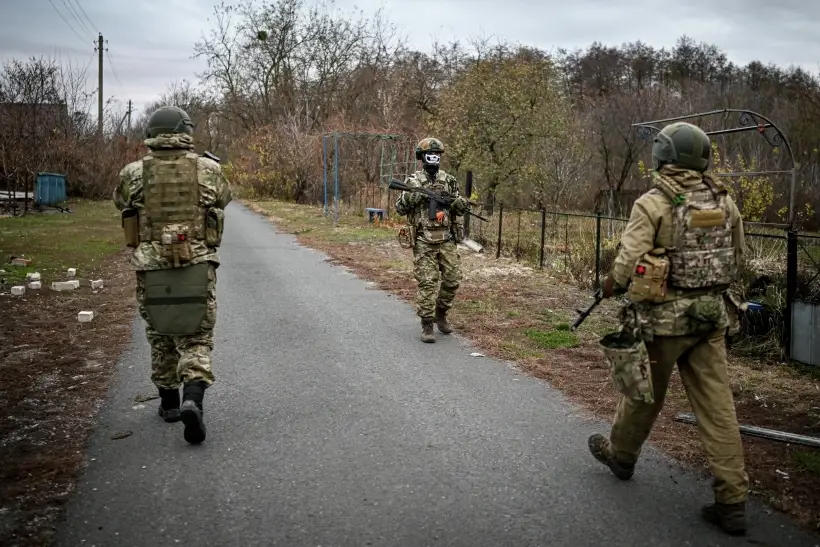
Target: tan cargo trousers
{"x": 702, "y": 365}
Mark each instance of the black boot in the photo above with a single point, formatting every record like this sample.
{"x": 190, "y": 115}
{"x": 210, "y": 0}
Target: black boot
{"x": 441, "y": 321}
{"x": 191, "y": 411}
{"x": 731, "y": 518}
{"x": 427, "y": 335}
{"x": 169, "y": 404}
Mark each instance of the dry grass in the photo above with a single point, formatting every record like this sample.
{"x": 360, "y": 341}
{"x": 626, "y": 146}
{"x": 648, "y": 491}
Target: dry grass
{"x": 514, "y": 312}
{"x": 55, "y": 370}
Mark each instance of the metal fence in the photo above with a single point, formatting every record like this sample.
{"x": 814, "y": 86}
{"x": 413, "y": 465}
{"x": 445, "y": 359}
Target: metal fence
{"x": 780, "y": 278}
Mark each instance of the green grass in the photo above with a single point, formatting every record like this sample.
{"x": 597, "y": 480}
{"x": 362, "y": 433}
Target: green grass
{"x": 810, "y": 461}
{"x": 552, "y": 339}
{"x": 311, "y": 222}
{"x": 57, "y": 241}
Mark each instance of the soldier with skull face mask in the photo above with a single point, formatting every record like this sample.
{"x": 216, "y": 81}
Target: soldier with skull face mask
{"x": 436, "y": 229}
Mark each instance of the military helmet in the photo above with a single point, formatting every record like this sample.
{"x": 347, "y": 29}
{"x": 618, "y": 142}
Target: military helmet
{"x": 168, "y": 119}
{"x": 429, "y": 145}
{"x": 682, "y": 144}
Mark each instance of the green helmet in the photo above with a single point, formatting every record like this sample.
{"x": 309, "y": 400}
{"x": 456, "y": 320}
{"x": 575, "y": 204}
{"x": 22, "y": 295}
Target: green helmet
{"x": 429, "y": 145}
{"x": 683, "y": 144}
{"x": 168, "y": 119}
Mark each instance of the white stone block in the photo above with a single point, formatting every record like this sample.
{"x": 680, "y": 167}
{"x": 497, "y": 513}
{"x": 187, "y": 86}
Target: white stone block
{"x": 85, "y": 316}
{"x": 75, "y": 282}
{"x": 33, "y": 276}
{"x": 62, "y": 286}
{"x": 97, "y": 284}
{"x": 72, "y": 272}
{"x": 18, "y": 290}
{"x": 34, "y": 285}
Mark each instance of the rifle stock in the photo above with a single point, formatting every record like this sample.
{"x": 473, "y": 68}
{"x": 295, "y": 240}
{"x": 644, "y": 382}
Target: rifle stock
{"x": 583, "y": 314}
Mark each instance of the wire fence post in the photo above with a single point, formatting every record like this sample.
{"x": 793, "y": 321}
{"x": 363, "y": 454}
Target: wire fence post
{"x": 791, "y": 289}
{"x": 543, "y": 237}
{"x": 597, "y": 251}
{"x": 500, "y": 219}
{"x": 468, "y": 190}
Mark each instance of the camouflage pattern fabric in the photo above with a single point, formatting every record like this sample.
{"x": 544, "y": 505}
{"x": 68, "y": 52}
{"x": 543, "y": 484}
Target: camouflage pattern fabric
{"x": 214, "y": 191}
{"x": 674, "y": 316}
{"x": 176, "y": 359}
{"x": 181, "y": 359}
{"x": 416, "y": 209}
{"x": 434, "y": 262}
{"x": 628, "y": 361}
{"x": 702, "y": 255}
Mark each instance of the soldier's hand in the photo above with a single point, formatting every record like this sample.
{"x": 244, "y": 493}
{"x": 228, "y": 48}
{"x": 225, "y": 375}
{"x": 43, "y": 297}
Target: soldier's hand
{"x": 460, "y": 205}
{"x": 609, "y": 286}
{"x": 415, "y": 198}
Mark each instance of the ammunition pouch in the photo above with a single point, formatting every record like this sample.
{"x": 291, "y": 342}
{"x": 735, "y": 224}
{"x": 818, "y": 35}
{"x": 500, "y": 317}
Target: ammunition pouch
{"x": 649, "y": 280}
{"x": 214, "y": 225}
{"x": 436, "y": 234}
{"x": 131, "y": 227}
{"x": 406, "y": 237}
{"x": 176, "y": 300}
{"x": 457, "y": 229}
{"x": 629, "y": 366}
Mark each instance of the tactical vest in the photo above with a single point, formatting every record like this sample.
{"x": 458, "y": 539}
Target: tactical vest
{"x": 702, "y": 255}
{"x": 171, "y": 214}
{"x": 433, "y": 220}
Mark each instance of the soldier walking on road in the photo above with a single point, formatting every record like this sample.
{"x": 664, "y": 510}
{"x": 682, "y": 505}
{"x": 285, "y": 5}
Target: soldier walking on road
{"x": 679, "y": 253}
{"x": 435, "y": 231}
{"x": 172, "y": 203}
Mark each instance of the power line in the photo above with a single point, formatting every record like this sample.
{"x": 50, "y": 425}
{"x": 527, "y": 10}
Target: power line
{"x": 87, "y": 18}
{"x": 114, "y": 70}
{"x": 73, "y": 13}
{"x": 66, "y": 22}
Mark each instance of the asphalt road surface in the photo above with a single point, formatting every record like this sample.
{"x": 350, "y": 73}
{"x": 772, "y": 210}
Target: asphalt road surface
{"x": 331, "y": 424}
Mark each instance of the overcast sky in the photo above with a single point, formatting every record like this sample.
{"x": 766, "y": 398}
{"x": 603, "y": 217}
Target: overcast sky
{"x": 151, "y": 41}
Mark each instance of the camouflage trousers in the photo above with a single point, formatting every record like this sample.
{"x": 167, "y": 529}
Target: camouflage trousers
{"x": 181, "y": 359}
{"x": 434, "y": 262}
{"x": 701, "y": 361}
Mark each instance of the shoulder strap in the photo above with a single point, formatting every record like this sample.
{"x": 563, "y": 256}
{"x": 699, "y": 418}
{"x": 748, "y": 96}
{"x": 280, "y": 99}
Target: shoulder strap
{"x": 671, "y": 189}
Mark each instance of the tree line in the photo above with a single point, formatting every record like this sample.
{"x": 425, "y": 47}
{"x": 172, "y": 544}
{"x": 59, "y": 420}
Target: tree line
{"x": 535, "y": 127}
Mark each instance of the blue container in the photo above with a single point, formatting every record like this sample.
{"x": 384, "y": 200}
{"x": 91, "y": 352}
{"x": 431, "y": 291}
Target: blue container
{"x": 49, "y": 189}
{"x": 757, "y": 321}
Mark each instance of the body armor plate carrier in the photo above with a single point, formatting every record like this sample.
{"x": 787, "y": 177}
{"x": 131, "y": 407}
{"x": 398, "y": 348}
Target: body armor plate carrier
{"x": 702, "y": 256}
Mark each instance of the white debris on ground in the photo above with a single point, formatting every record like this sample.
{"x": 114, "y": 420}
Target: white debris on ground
{"x": 85, "y": 316}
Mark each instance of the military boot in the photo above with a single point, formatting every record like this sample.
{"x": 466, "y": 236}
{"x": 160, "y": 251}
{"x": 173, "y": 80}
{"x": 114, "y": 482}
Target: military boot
{"x": 427, "y": 335}
{"x": 441, "y": 321}
{"x": 191, "y": 412}
{"x": 169, "y": 405}
{"x": 731, "y": 518}
{"x": 598, "y": 445}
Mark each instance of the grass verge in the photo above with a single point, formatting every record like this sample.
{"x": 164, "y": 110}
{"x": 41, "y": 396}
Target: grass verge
{"x": 55, "y": 369}
{"x": 516, "y": 313}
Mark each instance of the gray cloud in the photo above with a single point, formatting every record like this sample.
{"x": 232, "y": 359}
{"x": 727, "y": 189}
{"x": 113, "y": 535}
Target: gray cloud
{"x": 151, "y": 41}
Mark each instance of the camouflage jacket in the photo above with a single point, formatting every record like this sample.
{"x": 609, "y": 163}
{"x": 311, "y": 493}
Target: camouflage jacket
{"x": 417, "y": 214}
{"x": 650, "y": 226}
{"x": 214, "y": 191}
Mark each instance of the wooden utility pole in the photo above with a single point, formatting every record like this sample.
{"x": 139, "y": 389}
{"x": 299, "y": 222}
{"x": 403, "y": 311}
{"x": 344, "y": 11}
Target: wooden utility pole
{"x": 100, "y": 86}
{"x": 129, "y": 117}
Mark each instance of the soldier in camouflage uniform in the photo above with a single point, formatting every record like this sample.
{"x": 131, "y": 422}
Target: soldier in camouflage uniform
{"x": 434, "y": 236}
{"x": 688, "y": 229}
{"x": 172, "y": 203}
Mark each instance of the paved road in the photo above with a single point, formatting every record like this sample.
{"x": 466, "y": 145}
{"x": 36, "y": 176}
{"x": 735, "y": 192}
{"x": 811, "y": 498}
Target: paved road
{"x": 331, "y": 425}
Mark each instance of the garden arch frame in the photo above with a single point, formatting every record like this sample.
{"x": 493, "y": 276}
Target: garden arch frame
{"x": 747, "y": 121}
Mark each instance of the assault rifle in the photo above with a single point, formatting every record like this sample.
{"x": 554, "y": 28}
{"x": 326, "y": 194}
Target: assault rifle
{"x": 437, "y": 201}
{"x": 583, "y": 314}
